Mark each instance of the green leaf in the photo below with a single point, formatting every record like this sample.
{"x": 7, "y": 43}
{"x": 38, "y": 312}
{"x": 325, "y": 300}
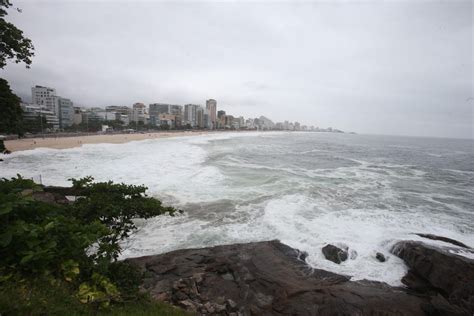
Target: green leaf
{"x": 26, "y": 258}
{"x": 6, "y": 208}
{"x": 6, "y": 238}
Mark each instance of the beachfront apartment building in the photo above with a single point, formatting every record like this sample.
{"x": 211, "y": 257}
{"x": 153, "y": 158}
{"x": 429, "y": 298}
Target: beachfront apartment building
{"x": 155, "y": 109}
{"x": 139, "y": 113}
{"x": 49, "y": 102}
{"x": 199, "y": 117}
{"x": 77, "y": 117}
{"x": 118, "y": 113}
{"x": 190, "y": 114}
{"x": 65, "y": 112}
{"x": 44, "y": 97}
{"x": 32, "y": 112}
{"x": 211, "y": 107}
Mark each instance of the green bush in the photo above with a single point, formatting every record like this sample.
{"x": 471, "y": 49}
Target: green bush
{"x": 76, "y": 244}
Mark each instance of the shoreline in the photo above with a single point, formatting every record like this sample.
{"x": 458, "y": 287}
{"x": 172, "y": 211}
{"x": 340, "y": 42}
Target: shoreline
{"x": 73, "y": 141}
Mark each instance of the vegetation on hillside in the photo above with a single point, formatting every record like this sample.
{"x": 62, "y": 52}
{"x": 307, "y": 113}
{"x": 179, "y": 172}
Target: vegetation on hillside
{"x": 61, "y": 258}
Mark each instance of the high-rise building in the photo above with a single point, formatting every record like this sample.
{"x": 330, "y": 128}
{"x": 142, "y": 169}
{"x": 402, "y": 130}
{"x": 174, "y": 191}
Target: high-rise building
{"x": 77, "y": 115}
{"x": 44, "y": 97}
{"x": 155, "y": 109}
{"x": 65, "y": 112}
{"x": 139, "y": 113}
{"x": 211, "y": 106}
{"x": 118, "y": 113}
{"x": 229, "y": 121}
{"x": 220, "y": 119}
{"x": 200, "y": 117}
{"x": 190, "y": 114}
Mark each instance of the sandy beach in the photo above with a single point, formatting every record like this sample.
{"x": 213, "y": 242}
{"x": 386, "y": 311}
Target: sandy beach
{"x": 77, "y": 141}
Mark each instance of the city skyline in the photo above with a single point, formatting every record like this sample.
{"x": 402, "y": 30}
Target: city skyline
{"x": 61, "y": 115}
{"x": 389, "y": 68}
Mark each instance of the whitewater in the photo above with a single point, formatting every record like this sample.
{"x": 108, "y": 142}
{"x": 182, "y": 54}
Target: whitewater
{"x": 305, "y": 189}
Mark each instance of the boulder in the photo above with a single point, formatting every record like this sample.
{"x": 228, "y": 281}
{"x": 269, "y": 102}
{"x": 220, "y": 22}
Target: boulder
{"x": 434, "y": 269}
{"x": 380, "y": 257}
{"x": 334, "y": 254}
{"x": 49, "y": 197}
{"x": 270, "y": 278}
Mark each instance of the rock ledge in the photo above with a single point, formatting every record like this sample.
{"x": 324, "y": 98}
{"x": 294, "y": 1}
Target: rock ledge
{"x": 270, "y": 278}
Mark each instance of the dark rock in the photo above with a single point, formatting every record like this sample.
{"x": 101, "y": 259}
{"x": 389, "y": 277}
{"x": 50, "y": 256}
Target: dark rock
{"x": 353, "y": 254}
{"x": 232, "y": 305}
{"x": 445, "y": 239}
{"x": 380, "y": 257}
{"x": 63, "y": 190}
{"x": 281, "y": 284}
{"x": 437, "y": 269}
{"x": 334, "y": 254}
{"x": 48, "y": 197}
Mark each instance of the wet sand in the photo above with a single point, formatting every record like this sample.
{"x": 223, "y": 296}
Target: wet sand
{"x": 77, "y": 141}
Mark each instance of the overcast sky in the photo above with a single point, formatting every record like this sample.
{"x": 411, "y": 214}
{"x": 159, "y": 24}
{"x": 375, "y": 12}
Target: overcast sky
{"x": 392, "y": 67}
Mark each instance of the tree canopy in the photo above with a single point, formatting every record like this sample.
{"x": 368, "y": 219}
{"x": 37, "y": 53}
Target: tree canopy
{"x": 11, "y": 119}
{"x": 13, "y": 45}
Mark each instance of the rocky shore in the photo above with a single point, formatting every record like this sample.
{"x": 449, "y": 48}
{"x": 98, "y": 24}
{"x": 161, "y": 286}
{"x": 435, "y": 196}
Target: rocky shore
{"x": 270, "y": 278}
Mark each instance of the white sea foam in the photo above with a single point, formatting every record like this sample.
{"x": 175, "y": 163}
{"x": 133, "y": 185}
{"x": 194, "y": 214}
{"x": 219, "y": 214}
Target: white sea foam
{"x": 244, "y": 190}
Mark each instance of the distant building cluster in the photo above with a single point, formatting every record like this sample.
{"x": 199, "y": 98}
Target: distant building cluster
{"x": 60, "y": 113}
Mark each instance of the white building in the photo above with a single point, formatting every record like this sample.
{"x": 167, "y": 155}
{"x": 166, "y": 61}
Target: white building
{"x": 190, "y": 115}
{"x": 77, "y": 116}
{"x": 33, "y": 111}
{"x": 139, "y": 113}
{"x": 44, "y": 97}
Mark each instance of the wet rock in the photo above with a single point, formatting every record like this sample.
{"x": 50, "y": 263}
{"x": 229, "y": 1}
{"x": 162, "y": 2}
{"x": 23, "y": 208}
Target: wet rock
{"x": 353, "y": 254}
{"x": 380, "y": 257}
{"x": 444, "y": 239}
{"x": 434, "y": 269}
{"x": 334, "y": 254}
{"x": 281, "y": 284}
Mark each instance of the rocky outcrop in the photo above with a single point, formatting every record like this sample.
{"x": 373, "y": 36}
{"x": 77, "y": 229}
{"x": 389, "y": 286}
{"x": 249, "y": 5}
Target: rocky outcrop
{"x": 438, "y": 270}
{"x": 444, "y": 239}
{"x": 334, "y": 254}
{"x": 270, "y": 278}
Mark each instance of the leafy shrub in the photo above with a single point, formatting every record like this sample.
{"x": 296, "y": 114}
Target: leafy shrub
{"x": 77, "y": 243}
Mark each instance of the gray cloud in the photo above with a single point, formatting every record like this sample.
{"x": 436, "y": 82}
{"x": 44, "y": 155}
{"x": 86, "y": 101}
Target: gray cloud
{"x": 372, "y": 67}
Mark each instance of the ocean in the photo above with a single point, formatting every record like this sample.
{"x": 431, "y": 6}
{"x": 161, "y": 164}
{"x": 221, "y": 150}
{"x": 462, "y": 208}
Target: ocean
{"x": 305, "y": 189}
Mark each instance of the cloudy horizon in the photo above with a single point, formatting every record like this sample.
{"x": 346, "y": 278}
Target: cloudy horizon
{"x": 399, "y": 68}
